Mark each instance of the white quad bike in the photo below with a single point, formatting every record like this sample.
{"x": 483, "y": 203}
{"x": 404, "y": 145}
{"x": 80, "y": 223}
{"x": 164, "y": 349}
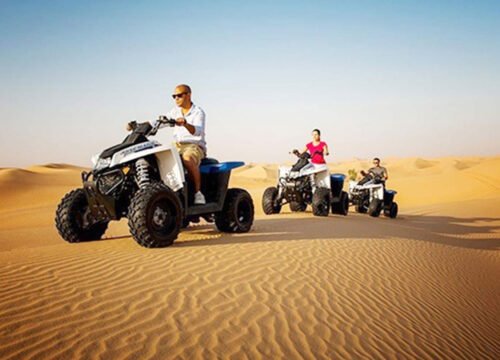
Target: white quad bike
{"x": 369, "y": 195}
{"x": 145, "y": 181}
{"x": 306, "y": 183}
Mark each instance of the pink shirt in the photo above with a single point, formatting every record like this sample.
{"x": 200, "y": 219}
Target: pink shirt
{"x": 316, "y": 152}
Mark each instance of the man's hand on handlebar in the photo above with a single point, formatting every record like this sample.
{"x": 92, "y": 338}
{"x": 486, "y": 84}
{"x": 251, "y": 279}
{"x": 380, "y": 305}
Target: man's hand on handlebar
{"x": 180, "y": 121}
{"x": 365, "y": 173}
{"x": 162, "y": 119}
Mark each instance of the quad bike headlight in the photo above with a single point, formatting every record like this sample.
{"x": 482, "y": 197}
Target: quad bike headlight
{"x": 102, "y": 163}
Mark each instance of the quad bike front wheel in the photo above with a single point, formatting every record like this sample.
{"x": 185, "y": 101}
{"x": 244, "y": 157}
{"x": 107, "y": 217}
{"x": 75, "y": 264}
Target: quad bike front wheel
{"x": 269, "y": 201}
{"x": 360, "y": 206}
{"x": 155, "y": 216}
{"x": 391, "y": 211}
{"x": 341, "y": 206}
{"x": 375, "y": 207}
{"x": 237, "y": 213}
{"x": 74, "y": 222}
{"x": 321, "y": 202}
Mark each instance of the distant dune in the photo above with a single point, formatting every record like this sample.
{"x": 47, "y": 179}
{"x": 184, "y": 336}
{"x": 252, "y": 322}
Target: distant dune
{"x": 424, "y": 285}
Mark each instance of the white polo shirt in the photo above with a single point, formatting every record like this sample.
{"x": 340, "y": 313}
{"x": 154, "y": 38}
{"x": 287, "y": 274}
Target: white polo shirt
{"x": 195, "y": 117}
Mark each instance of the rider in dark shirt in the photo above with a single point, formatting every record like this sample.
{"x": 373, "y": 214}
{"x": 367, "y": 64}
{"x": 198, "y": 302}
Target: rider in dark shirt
{"x": 377, "y": 171}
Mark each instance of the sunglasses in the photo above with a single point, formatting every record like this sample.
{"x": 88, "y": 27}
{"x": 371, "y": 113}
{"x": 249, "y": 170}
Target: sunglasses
{"x": 178, "y": 96}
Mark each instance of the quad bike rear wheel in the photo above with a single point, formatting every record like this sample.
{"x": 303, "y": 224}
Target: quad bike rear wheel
{"x": 321, "y": 202}
{"x": 341, "y": 206}
{"x": 155, "y": 216}
{"x": 391, "y": 211}
{"x": 269, "y": 201}
{"x": 296, "y": 206}
{"x": 74, "y": 222}
{"x": 375, "y": 207}
{"x": 237, "y": 213}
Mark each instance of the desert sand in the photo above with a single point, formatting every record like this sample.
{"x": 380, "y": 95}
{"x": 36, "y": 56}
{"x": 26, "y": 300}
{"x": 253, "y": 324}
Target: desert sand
{"x": 424, "y": 285}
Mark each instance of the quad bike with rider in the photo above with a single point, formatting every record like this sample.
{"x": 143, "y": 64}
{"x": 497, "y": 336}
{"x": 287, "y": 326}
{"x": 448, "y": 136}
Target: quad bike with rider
{"x": 303, "y": 184}
{"x": 145, "y": 181}
{"x": 369, "y": 195}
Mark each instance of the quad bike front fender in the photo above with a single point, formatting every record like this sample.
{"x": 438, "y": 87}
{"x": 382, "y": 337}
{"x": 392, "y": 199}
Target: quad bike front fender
{"x": 322, "y": 179}
{"x": 169, "y": 164}
{"x": 377, "y": 192}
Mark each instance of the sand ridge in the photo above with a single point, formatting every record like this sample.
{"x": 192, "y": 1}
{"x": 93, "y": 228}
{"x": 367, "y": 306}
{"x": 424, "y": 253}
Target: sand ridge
{"x": 297, "y": 286}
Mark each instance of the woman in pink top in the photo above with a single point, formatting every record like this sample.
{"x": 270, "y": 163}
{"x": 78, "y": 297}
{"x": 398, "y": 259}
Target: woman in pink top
{"x": 317, "y": 148}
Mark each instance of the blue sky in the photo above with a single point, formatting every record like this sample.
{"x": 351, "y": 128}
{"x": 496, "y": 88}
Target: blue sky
{"x": 385, "y": 78}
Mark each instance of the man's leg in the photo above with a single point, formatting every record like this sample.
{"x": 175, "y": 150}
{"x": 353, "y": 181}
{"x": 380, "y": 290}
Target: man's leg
{"x": 191, "y": 158}
{"x": 193, "y": 171}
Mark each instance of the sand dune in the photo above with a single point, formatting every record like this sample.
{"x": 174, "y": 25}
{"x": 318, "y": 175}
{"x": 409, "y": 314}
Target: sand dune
{"x": 421, "y": 286}
{"x": 255, "y": 173}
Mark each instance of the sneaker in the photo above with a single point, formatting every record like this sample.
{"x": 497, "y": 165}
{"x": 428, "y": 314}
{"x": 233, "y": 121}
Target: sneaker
{"x": 199, "y": 198}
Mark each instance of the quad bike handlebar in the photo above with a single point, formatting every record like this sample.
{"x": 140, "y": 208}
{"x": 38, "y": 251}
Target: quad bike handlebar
{"x": 371, "y": 175}
{"x": 150, "y": 130}
{"x": 162, "y": 120}
{"x": 165, "y": 120}
{"x": 305, "y": 155}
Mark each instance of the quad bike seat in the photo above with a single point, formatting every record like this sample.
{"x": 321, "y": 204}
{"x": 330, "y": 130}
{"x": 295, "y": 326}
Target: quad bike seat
{"x": 212, "y": 166}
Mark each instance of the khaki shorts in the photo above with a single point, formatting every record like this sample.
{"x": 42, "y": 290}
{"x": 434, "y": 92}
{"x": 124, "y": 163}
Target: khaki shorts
{"x": 191, "y": 150}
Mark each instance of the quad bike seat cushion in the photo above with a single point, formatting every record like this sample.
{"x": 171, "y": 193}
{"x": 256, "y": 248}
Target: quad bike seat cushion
{"x": 217, "y": 167}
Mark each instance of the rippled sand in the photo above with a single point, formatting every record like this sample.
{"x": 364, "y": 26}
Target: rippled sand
{"x": 422, "y": 286}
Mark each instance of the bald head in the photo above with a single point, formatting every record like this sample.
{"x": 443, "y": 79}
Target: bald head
{"x": 183, "y": 88}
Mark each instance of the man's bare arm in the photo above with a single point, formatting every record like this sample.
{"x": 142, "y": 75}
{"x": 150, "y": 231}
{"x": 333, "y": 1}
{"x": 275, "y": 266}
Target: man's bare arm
{"x": 183, "y": 122}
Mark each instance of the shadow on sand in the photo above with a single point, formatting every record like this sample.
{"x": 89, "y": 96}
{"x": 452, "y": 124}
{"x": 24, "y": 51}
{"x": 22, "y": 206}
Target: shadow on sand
{"x": 476, "y": 233}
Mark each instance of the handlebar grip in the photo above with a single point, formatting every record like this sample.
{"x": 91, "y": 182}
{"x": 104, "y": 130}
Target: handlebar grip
{"x": 132, "y": 125}
{"x": 165, "y": 120}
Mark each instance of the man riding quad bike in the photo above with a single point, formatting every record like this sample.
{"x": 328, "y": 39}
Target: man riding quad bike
{"x": 369, "y": 195}
{"x": 145, "y": 181}
{"x": 306, "y": 183}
